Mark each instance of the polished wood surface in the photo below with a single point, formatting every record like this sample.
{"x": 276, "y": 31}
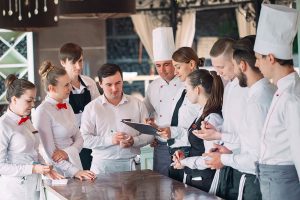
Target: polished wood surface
{"x": 144, "y": 184}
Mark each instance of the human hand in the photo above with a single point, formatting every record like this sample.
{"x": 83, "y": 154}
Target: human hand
{"x": 59, "y": 155}
{"x": 213, "y": 160}
{"x": 54, "y": 175}
{"x": 151, "y": 122}
{"x": 41, "y": 169}
{"x": 154, "y": 143}
{"x": 221, "y": 149}
{"x": 117, "y": 137}
{"x": 165, "y": 133}
{"x": 85, "y": 175}
{"x": 127, "y": 141}
{"x": 208, "y": 132}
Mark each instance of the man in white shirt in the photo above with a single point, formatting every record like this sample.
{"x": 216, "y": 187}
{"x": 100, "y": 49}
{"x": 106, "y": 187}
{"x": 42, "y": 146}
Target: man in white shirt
{"x": 161, "y": 92}
{"x": 279, "y": 161}
{"x": 114, "y": 144}
{"x": 240, "y": 181}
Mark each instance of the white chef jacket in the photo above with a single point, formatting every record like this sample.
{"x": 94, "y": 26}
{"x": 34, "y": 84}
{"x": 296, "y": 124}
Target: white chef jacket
{"x": 91, "y": 86}
{"x": 197, "y": 162}
{"x": 58, "y": 130}
{"x": 234, "y": 101}
{"x": 18, "y": 152}
{"x": 255, "y": 111}
{"x": 160, "y": 97}
{"x": 101, "y": 119}
{"x": 281, "y": 132}
{"x": 187, "y": 113}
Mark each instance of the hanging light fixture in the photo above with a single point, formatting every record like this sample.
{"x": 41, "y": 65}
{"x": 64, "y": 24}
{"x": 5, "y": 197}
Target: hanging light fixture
{"x": 28, "y": 13}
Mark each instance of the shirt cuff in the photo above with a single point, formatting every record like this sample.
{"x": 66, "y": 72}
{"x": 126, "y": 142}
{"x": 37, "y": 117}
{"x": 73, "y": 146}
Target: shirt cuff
{"x": 174, "y": 132}
{"x": 227, "y": 159}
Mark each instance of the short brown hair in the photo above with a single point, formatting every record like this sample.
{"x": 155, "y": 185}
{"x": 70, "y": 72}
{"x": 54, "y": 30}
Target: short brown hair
{"x": 70, "y": 51}
{"x": 222, "y": 46}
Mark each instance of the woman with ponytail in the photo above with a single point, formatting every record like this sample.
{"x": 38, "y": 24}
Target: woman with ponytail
{"x": 206, "y": 89}
{"x": 20, "y": 163}
{"x": 56, "y": 123}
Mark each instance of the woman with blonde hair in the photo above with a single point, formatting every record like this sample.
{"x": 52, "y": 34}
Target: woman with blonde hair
{"x": 56, "y": 122}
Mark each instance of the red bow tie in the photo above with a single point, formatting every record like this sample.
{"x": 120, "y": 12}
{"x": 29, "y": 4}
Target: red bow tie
{"x": 23, "y": 120}
{"x": 61, "y": 105}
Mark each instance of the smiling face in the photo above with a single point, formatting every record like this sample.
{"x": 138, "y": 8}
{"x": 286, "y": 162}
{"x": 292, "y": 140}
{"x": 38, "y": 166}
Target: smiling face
{"x": 73, "y": 68}
{"x": 62, "y": 89}
{"x": 182, "y": 70}
{"x": 165, "y": 70}
{"x": 223, "y": 66}
{"x": 22, "y": 106}
{"x": 113, "y": 87}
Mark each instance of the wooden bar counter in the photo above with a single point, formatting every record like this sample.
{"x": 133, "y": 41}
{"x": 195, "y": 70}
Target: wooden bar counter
{"x": 144, "y": 184}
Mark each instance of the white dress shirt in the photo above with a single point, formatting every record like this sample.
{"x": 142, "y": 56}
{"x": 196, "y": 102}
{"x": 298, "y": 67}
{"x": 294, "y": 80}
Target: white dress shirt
{"x": 18, "y": 146}
{"x": 187, "y": 113}
{"x": 18, "y": 152}
{"x": 159, "y": 99}
{"x": 58, "y": 130}
{"x": 101, "y": 119}
{"x": 91, "y": 87}
{"x": 255, "y": 111}
{"x": 234, "y": 100}
{"x": 281, "y": 132}
{"x": 197, "y": 162}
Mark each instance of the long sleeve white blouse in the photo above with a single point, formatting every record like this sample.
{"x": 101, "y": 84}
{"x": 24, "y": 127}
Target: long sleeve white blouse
{"x": 18, "y": 146}
{"x": 58, "y": 130}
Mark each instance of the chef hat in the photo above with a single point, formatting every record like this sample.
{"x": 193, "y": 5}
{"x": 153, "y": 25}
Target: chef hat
{"x": 276, "y": 30}
{"x": 163, "y": 43}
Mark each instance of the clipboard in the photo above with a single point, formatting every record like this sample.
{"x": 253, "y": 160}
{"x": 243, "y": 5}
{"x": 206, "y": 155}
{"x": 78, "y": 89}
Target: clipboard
{"x": 142, "y": 128}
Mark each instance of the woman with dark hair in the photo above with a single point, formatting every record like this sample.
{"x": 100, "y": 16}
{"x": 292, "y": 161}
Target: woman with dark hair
{"x": 204, "y": 88}
{"x": 20, "y": 163}
{"x": 56, "y": 122}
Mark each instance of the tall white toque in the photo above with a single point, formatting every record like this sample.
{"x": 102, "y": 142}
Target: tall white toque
{"x": 276, "y": 30}
{"x": 163, "y": 44}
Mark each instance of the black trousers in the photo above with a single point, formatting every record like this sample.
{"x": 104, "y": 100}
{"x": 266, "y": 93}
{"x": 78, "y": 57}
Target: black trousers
{"x": 86, "y": 158}
{"x": 229, "y": 182}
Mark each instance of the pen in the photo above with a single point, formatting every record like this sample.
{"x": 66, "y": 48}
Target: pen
{"x": 206, "y": 121}
{"x": 220, "y": 142}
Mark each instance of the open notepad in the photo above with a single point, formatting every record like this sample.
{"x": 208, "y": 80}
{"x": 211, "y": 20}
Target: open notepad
{"x": 142, "y": 128}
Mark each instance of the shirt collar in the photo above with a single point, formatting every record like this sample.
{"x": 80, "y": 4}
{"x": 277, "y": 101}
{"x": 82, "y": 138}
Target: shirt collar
{"x": 52, "y": 101}
{"x": 105, "y": 101}
{"x": 13, "y": 116}
{"x": 235, "y": 82}
{"x": 285, "y": 82}
{"x": 173, "y": 81}
{"x": 255, "y": 87}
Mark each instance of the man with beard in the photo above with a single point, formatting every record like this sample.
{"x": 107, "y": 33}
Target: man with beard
{"x": 114, "y": 145}
{"x": 240, "y": 181}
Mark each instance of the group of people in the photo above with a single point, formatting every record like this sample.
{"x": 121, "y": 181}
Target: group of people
{"x": 238, "y": 141}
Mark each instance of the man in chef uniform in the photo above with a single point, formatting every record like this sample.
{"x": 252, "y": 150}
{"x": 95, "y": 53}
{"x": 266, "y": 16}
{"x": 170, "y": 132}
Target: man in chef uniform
{"x": 160, "y": 93}
{"x": 279, "y": 162}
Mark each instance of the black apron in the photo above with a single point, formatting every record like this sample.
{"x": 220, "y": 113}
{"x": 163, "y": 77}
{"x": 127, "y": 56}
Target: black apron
{"x": 78, "y": 102}
{"x": 197, "y": 149}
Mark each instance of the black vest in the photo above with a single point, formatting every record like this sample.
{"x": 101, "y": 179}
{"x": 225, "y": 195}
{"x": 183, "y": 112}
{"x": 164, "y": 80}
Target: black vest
{"x": 79, "y": 101}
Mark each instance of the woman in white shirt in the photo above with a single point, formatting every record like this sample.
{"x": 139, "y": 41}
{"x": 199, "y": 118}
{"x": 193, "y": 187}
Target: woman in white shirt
{"x": 20, "y": 163}
{"x": 56, "y": 123}
{"x": 206, "y": 89}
